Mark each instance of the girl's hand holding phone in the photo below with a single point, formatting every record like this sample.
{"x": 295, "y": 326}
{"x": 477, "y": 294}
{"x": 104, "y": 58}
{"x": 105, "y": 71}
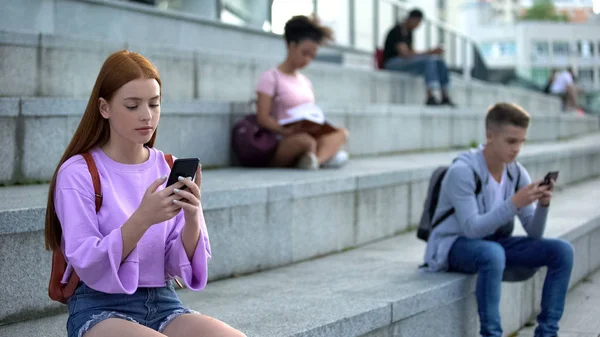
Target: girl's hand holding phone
{"x": 158, "y": 206}
{"x": 189, "y": 199}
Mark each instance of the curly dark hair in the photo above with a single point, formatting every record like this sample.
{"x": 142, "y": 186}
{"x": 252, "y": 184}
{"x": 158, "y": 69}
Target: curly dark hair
{"x": 303, "y": 27}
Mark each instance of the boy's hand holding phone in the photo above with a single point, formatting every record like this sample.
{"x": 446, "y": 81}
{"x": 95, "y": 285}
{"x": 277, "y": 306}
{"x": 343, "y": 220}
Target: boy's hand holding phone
{"x": 540, "y": 190}
{"x": 529, "y": 194}
{"x": 548, "y": 182}
{"x": 544, "y": 200}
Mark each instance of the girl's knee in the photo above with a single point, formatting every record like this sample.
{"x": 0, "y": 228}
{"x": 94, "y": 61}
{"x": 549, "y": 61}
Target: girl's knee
{"x": 345, "y": 134}
{"x": 305, "y": 141}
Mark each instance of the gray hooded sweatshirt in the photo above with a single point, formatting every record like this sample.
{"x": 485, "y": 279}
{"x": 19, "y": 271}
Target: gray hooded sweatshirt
{"x": 473, "y": 217}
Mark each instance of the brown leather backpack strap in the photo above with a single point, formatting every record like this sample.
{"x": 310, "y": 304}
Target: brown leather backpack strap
{"x": 69, "y": 289}
{"x": 59, "y": 265}
{"x": 169, "y": 159}
{"x": 95, "y": 178}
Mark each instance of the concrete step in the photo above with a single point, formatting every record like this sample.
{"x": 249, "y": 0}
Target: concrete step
{"x": 581, "y": 314}
{"x": 376, "y": 290}
{"x": 172, "y": 29}
{"x": 55, "y": 64}
{"x": 36, "y": 131}
{"x": 262, "y": 219}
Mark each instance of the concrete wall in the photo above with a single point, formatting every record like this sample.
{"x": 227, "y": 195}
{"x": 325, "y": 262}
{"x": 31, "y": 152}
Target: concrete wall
{"x": 39, "y": 129}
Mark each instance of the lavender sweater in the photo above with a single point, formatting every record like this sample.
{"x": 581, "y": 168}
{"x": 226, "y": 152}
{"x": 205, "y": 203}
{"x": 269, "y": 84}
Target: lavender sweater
{"x": 92, "y": 242}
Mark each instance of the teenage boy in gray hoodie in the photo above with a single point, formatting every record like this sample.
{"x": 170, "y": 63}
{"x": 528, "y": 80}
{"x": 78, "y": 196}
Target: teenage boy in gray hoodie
{"x": 477, "y": 237}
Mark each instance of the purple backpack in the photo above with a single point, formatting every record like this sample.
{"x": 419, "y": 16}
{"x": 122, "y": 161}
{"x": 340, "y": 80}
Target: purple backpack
{"x": 254, "y": 145}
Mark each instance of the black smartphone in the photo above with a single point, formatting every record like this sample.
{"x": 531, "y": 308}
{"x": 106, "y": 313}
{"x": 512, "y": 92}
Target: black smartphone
{"x": 183, "y": 167}
{"x": 552, "y": 175}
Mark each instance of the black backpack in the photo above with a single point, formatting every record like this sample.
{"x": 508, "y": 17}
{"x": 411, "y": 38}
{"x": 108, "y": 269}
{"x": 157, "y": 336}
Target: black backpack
{"x": 427, "y": 223}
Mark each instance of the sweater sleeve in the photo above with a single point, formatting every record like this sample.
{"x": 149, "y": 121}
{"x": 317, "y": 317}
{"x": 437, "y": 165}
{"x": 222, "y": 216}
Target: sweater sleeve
{"x": 195, "y": 272}
{"x": 95, "y": 257}
{"x": 460, "y": 186}
{"x": 532, "y": 216}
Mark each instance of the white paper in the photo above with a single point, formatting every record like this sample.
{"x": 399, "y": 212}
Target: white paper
{"x": 307, "y": 111}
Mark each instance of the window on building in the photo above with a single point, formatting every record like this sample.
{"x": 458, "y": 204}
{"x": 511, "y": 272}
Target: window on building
{"x": 508, "y": 48}
{"x": 498, "y": 48}
{"x": 585, "y": 76}
{"x": 541, "y": 48}
{"x": 486, "y": 49}
{"x": 560, "y": 48}
{"x": 540, "y": 75}
{"x": 585, "y": 48}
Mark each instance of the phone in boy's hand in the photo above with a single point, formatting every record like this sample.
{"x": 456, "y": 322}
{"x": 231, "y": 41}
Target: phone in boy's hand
{"x": 552, "y": 175}
{"x": 183, "y": 167}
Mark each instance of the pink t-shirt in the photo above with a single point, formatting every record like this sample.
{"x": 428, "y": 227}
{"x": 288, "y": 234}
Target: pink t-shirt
{"x": 288, "y": 91}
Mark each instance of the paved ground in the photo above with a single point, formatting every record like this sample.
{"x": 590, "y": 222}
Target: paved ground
{"x": 582, "y": 311}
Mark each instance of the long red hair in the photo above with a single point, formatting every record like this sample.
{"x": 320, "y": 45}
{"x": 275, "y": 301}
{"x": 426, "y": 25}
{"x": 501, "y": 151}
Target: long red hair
{"x": 93, "y": 130}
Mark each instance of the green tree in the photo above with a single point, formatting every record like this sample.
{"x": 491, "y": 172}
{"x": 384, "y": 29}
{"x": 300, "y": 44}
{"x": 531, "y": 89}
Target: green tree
{"x": 544, "y": 10}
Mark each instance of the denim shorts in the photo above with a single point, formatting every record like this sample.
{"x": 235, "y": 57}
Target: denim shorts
{"x": 154, "y": 308}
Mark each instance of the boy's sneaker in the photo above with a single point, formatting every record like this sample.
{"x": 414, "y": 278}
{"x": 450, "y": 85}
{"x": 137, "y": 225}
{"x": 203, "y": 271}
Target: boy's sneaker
{"x": 447, "y": 101}
{"x": 338, "y": 160}
{"x": 431, "y": 101}
{"x": 308, "y": 161}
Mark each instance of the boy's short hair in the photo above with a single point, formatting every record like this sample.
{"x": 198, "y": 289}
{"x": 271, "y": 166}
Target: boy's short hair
{"x": 415, "y": 14}
{"x": 501, "y": 114}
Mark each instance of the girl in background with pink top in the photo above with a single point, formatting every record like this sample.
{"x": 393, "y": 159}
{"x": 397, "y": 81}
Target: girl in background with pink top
{"x": 283, "y": 88}
{"x": 143, "y": 235}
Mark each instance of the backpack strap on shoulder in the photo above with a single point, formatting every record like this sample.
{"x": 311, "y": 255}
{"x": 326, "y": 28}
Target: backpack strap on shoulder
{"x": 518, "y": 177}
{"x": 169, "y": 159}
{"x": 516, "y": 170}
{"x": 95, "y": 179}
{"x": 477, "y": 183}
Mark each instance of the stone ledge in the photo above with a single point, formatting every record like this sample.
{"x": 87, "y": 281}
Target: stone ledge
{"x": 232, "y": 187}
{"x": 264, "y": 219}
{"x": 9, "y": 107}
{"x": 202, "y": 128}
{"x": 374, "y": 290}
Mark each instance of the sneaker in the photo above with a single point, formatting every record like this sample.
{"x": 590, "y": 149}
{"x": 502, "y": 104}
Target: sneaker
{"x": 338, "y": 160}
{"x": 432, "y": 101}
{"x": 308, "y": 161}
{"x": 447, "y": 101}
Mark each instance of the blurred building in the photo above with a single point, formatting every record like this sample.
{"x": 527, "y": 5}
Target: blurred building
{"x": 530, "y": 49}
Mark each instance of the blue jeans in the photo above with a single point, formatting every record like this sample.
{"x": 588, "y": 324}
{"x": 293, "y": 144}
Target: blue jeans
{"x": 431, "y": 66}
{"x": 489, "y": 259}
